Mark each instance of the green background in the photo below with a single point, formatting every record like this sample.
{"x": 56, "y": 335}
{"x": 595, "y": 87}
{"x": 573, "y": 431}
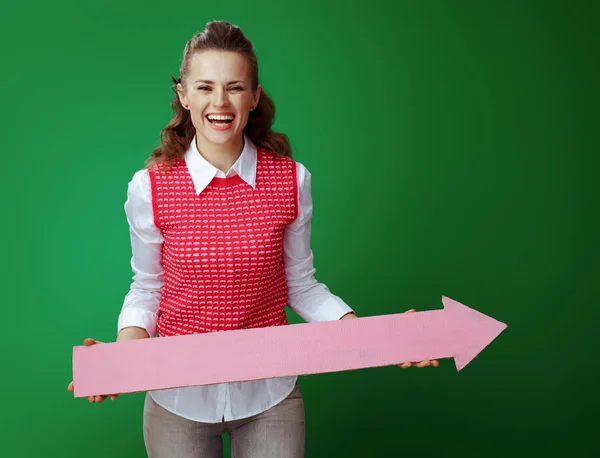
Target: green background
{"x": 454, "y": 151}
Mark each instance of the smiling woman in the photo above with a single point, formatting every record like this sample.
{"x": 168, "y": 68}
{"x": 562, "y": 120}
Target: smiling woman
{"x": 220, "y": 232}
{"x": 220, "y": 235}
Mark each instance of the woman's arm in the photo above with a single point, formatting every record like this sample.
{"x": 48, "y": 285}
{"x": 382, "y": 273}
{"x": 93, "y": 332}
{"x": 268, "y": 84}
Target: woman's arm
{"x": 139, "y": 312}
{"x": 132, "y": 333}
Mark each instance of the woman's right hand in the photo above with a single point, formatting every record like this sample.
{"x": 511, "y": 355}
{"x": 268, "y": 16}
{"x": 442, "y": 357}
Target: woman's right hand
{"x": 130, "y": 333}
{"x": 88, "y": 342}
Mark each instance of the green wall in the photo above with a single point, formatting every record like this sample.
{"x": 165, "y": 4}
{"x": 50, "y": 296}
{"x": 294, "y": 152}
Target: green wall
{"x": 454, "y": 151}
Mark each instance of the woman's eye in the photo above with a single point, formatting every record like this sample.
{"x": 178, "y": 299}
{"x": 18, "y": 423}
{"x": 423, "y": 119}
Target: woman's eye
{"x": 204, "y": 88}
{"x": 237, "y": 88}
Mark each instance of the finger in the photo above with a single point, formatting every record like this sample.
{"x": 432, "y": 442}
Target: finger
{"x": 411, "y": 310}
{"x": 70, "y": 387}
{"x": 91, "y": 398}
{"x": 88, "y": 342}
{"x": 435, "y": 363}
{"x": 405, "y": 365}
{"x": 423, "y": 363}
{"x": 113, "y": 397}
{"x": 100, "y": 398}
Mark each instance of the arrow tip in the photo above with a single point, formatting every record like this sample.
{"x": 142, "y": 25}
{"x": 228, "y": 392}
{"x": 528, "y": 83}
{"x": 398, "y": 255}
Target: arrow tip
{"x": 476, "y": 330}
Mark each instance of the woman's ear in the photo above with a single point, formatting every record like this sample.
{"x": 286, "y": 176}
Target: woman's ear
{"x": 257, "y": 96}
{"x": 182, "y": 96}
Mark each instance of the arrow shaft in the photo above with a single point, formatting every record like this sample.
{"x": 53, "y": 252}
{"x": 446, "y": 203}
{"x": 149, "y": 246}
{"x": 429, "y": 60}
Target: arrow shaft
{"x": 251, "y": 354}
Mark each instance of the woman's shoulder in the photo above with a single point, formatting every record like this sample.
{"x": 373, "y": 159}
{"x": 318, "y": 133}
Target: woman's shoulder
{"x": 139, "y": 177}
{"x": 303, "y": 175}
{"x": 166, "y": 166}
{"x": 139, "y": 185}
{"x": 274, "y": 157}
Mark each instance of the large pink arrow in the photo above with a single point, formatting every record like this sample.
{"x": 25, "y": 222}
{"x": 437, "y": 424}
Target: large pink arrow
{"x": 456, "y": 331}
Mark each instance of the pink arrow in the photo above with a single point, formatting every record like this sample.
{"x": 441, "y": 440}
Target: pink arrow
{"x": 456, "y": 331}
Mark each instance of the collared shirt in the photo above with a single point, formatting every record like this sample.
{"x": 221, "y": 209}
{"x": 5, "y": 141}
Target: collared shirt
{"x": 307, "y": 297}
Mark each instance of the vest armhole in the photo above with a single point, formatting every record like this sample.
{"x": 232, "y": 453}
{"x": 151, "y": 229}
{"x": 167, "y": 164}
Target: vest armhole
{"x": 154, "y": 197}
{"x": 296, "y": 191}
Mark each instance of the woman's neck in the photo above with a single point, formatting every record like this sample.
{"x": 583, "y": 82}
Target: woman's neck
{"x": 221, "y": 156}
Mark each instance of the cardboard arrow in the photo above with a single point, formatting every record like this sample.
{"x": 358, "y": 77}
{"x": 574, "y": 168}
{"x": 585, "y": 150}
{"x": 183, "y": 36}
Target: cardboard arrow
{"x": 456, "y": 331}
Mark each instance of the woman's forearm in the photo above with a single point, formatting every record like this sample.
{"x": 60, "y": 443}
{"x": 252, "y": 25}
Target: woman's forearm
{"x": 132, "y": 333}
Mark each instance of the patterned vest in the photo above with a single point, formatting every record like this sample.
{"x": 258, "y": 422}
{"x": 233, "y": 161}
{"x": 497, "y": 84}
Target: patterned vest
{"x": 223, "y": 249}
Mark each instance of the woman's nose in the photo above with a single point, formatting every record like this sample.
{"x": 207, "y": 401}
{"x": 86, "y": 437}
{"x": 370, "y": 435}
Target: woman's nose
{"x": 219, "y": 97}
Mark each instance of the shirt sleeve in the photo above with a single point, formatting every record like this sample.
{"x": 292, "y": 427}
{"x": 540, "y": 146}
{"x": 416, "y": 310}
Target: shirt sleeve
{"x": 140, "y": 306}
{"x": 306, "y": 296}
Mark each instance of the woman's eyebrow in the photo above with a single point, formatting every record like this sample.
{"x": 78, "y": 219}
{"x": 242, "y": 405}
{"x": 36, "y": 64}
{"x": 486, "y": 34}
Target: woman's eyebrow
{"x": 212, "y": 82}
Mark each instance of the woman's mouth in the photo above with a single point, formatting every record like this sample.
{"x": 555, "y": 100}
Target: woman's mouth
{"x": 220, "y": 122}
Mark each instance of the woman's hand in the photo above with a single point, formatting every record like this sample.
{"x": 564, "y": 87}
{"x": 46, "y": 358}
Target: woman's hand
{"x": 427, "y": 362}
{"x": 71, "y": 387}
{"x": 432, "y": 363}
{"x": 129, "y": 333}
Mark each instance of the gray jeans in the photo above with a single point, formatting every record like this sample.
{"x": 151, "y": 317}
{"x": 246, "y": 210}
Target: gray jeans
{"x": 276, "y": 433}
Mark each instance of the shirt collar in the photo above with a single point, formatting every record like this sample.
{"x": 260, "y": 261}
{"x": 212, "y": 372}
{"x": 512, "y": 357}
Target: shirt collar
{"x": 203, "y": 172}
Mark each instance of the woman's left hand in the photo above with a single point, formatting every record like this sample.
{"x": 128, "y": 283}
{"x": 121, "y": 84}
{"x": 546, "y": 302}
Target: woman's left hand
{"x": 427, "y": 362}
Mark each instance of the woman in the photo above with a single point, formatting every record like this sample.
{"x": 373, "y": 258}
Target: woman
{"x": 220, "y": 233}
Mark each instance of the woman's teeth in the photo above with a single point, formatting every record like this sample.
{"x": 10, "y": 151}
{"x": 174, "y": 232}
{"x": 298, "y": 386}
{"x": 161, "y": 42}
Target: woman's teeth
{"x": 220, "y": 120}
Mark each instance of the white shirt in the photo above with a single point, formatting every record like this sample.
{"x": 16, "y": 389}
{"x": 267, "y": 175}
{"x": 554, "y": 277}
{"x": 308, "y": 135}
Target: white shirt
{"x": 308, "y": 298}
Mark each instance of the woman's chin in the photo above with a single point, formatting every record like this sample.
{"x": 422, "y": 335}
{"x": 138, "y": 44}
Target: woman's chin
{"x": 222, "y": 137}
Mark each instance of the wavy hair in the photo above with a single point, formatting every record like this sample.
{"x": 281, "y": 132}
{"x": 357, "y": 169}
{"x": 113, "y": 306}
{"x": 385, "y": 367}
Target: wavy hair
{"x": 179, "y": 132}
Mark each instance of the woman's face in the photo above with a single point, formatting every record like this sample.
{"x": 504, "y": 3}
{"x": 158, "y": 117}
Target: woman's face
{"x": 219, "y": 96}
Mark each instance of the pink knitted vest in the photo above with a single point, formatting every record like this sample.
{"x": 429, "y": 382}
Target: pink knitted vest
{"x": 223, "y": 249}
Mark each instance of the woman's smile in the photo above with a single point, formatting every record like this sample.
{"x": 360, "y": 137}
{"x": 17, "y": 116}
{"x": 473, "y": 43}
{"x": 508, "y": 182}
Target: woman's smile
{"x": 220, "y": 121}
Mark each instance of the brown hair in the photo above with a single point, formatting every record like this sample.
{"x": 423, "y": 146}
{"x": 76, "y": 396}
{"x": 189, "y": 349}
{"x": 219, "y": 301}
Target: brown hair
{"x": 179, "y": 132}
